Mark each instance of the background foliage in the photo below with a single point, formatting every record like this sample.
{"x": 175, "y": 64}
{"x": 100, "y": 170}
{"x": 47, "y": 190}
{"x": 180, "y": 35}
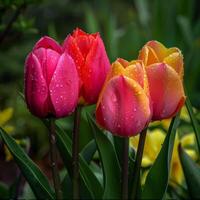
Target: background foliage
{"x": 125, "y": 26}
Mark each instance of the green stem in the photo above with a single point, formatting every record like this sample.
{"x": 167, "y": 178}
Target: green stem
{"x": 125, "y": 169}
{"x": 138, "y": 162}
{"x": 75, "y": 154}
{"x": 53, "y": 156}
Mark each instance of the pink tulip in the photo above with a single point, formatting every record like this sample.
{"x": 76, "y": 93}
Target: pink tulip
{"x": 165, "y": 75}
{"x": 92, "y": 63}
{"x": 123, "y": 106}
{"x": 51, "y": 80}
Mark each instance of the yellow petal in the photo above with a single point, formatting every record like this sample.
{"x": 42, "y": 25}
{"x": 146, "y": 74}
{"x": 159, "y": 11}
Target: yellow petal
{"x": 176, "y": 172}
{"x": 5, "y": 115}
{"x": 188, "y": 140}
{"x": 8, "y": 128}
{"x": 192, "y": 153}
{"x": 175, "y": 60}
{"x": 146, "y": 161}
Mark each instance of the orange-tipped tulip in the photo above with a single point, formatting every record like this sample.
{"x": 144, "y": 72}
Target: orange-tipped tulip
{"x": 123, "y": 106}
{"x": 165, "y": 74}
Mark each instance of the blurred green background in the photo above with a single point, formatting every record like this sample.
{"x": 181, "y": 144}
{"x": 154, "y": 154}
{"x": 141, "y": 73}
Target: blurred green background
{"x": 125, "y": 27}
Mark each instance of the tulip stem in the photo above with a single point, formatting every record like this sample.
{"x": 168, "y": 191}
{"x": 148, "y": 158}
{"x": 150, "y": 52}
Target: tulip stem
{"x": 124, "y": 177}
{"x": 75, "y": 154}
{"x": 53, "y": 157}
{"x": 137, "y": 166}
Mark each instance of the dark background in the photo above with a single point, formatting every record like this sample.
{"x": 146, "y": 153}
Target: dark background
{"x": 125, "y": 27}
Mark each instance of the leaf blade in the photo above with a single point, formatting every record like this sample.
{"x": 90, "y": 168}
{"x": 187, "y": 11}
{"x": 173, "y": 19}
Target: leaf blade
{"x": 161, "y": 164}
{"x": 31, "y": 172}
{"x": 109, "y": 159}
{"x": 192, "y": 173}
{"x": 195, "y": 124}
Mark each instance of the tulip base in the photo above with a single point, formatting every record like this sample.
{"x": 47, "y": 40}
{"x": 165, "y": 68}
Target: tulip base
{"x": 53, "y": 157}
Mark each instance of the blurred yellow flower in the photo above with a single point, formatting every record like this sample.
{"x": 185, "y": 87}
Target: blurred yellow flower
{"x": 153, "y": 143}
{"x": 5, "y": 116}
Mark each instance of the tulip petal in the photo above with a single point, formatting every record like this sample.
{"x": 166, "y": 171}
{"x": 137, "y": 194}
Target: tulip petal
{"x": 148, "y": 56}
{"x": 48, "y": 43}
{"x": 64, "y": 86}
{"x": 48, "y": 59}
{"x": 175, "y": 60}
{"x": 124, "y": 107}
{"x": 94, "y": 71}
{"x": 166, "y": 90}
{"x": 72, "y": 48}
{"x": 159, "y": 49}
{"x": 36, "y": 90}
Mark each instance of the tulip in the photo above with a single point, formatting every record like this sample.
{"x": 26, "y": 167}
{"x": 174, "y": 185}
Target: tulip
{"x": 123, "y": 106}
{"x": 92, "y": 63}
{"x": 165, "y": 75}
{"x": 153, "y": 144}
{"x": 51, "y": 80}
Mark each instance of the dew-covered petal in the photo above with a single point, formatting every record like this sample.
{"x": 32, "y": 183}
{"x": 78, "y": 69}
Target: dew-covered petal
{"x": 71, "y": 47}
{"x": 166, "y": 90}
{"x": 123, "y": 107}
{"x": 94, "y": 71}
{"x": 48, "y": 59}
{"x": 64, "y": 86}
{"x": 48, "y": 43}
{"x": 159, "y": 49}
{"x": 148, "y": 56}
{"x": 36, "y": 90}
{"x": 175, "y": 60}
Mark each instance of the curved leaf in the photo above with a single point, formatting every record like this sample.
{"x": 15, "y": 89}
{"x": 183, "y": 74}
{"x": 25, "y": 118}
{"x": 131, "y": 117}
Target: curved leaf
{"x": 31, "y": 172}
{"x": 110, "y": 163}
{"x": 158, "y": 176}
{"x": 195, "y": 124}
{"x": 90, "y": 180}
{"x": 191, "y": 172}
{"x": 88, "y": 151}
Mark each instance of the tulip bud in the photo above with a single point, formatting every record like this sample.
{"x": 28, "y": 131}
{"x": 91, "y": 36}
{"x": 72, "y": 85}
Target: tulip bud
{"x": 92, "y": 63}
{"x": 165, "y": 74}
{"x": 123, "y": 106}
{"x": 51, "y": 80}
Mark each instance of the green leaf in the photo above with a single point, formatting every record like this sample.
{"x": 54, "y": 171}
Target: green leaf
{"x": 88, "y": 177}
{"x": 158, "y": 176}
{"x": 192, "y": 174}
{"x": 4, "y": 191}
{"x": 88, "y": 151}
{"x": 195, "y": 124}
{"x": 31, "y": 172}
{"x": 110, "y": 163}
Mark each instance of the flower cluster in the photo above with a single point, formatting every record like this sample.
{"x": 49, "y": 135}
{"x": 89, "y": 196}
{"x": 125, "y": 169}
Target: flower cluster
{"x": 57, "y": 77}
{"x": 141, "y": 91}
{"x": 128, "y": 94}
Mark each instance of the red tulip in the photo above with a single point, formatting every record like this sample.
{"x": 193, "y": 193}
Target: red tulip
{"x": 92, "y": 63}
{"x": 165, "y": 74}
{"x": 123, "y": 106}
{"x": 51, "y": 80}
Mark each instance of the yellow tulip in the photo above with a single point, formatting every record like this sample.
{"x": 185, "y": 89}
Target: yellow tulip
{"x": 153, "y": 144}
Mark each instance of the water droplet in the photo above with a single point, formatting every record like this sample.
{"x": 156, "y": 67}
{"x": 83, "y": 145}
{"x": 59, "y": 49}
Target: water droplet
{"x": 134, "y": 109}
{"x": 118, "y": 125}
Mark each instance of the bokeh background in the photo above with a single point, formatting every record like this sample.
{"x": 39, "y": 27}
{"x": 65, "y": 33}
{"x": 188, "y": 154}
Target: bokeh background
{"x": 125, "y": 26}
